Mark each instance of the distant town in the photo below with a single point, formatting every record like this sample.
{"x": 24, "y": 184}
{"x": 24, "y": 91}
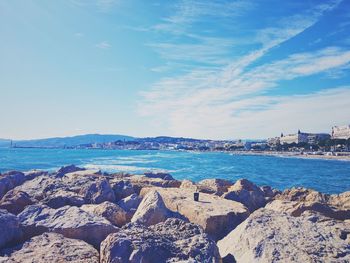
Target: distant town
{"x": 337, "y": 141}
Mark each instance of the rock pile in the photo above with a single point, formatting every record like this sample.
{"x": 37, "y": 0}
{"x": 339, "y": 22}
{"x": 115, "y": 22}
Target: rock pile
{"x": 79, "y": 215}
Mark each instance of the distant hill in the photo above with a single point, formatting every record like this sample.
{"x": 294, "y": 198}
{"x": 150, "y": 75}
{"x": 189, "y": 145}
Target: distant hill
{"x": 60, "y": 142}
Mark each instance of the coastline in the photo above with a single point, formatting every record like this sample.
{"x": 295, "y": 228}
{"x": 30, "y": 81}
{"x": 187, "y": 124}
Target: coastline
{"x": 294, "y": 155}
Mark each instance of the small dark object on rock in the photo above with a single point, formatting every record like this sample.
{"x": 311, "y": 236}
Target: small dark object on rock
{"x": 196, "y": 197}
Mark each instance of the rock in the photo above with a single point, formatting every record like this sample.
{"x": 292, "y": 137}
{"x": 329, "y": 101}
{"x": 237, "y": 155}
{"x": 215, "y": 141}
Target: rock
{"x": 36, "y": 188}
{"x": 152, "y": 210}
{"x": 218, "y": 216}
{"x": 130, "y": 204}
{"x": 171, "y": 241}
{"x": 270, "y": 236}
{"x": 72, "y": 222}
{"x": 15, "y": 201}
{"x": 269, "y": 192}
{"x": 112, "y": 212}
{"x": 247, "y": 193}
{"x": 122, "y": 189}
{"x": 5, "y": 185}
{"x": 30, "y": 175}
{"x": 164, "y": 176}
{"x": 97, "y": 192}
{"x": 188, "y": 184}
{"x": 297, "y": 200}
{"x": 10, "y": 180}
{"x": 139, "y": 181}
{"x": 52, "y": 247}
{"x": 216, "y": 186}
{"x": 62, "y": 198}
{"x": 9, "y": 228}
{"x": 68, "y": 169}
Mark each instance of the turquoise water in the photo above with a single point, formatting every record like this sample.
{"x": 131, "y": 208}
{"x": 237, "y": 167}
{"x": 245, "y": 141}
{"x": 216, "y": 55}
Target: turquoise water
{"x": 327, "y": 176}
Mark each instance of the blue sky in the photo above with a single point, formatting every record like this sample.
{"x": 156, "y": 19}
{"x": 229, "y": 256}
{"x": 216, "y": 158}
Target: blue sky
{"x": 206, "y": 69}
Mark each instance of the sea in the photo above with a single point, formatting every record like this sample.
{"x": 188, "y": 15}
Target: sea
{"x": 328, "y": 176}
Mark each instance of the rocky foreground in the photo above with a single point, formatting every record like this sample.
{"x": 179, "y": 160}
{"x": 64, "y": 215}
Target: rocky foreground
{"x": 77, "y": 215}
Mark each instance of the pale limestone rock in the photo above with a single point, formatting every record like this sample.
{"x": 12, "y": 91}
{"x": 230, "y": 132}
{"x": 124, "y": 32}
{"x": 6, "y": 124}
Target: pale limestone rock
{"x": 247, "y": 193}
{"x": 110, "y": 211}
{"x": 218, "y": 216}
{"x": 216, "y": 186}
{"x": 171, "y": 241}
{"x": 72, "y": 222}
{"x": 130, "y": 205}
{"x": 270, "y": 236}
{"x": 152, "y": 210}
{"x": 52, "y": 247}
{"x": 297, "y": 200}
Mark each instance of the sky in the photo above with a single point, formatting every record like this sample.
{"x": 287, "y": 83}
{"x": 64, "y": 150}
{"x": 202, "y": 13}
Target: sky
{"x": 219, "y": 69}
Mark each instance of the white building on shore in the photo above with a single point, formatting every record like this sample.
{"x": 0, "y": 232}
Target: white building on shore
{"x": 341, "y": 132}
{"x": 303, "y": 137}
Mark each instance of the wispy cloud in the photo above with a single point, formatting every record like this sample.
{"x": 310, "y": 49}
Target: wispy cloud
{"x": 227, "y": 98}
{"x": 103, "y": 45}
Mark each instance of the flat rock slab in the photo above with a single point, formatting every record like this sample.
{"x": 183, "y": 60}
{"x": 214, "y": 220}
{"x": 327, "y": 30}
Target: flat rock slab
{"x": 215, "y": 214}
{"x": 72, "y": 222}
{"x": 52, "y": 247}
{"x": 271, "y": 236}
{"x": 171, "y": 241}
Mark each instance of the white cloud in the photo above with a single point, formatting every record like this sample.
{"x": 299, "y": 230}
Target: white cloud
{"x": 103, "y": 45}
{"x": 207, "y": 103}
{"x": 228, "y": 101}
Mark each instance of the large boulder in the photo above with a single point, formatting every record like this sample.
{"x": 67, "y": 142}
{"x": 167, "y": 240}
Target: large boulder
{"x": 36, "y": 188}
{"x": 215, "y": 186}
{"x": 247, "y": 193}
{"x": 60, "y": 198}
{"x": 10, "y": 230}
{"x": 98, "y": 191}
{"x": 152, "y": 210}
{"x": 110, "y": 211}
{"x": 72, "y": 222}
{"x": 123, "y": 189}
{"x": 171, "y": 241}
{"x": 130, "y": 205}
{"x": 209, "y": 186}
{"x": 15, "y": 201}
{"x": 10, "y": 180}
{"x": 297, "y": 200}
{"x": 218, "y": 216}
{"x": 270, "y": 236}
{"x": 52, "y": 247}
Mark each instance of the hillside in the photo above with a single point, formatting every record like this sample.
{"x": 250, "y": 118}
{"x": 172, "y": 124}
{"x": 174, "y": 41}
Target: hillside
{"x": 60, "y": 142}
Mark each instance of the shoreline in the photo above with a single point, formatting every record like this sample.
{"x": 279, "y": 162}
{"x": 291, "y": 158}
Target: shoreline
{"x": 257, "y": 153}
{"x": 295, "y": 155}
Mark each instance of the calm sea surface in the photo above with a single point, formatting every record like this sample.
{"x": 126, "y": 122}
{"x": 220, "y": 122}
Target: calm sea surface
{"x": 329, "y": 176}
